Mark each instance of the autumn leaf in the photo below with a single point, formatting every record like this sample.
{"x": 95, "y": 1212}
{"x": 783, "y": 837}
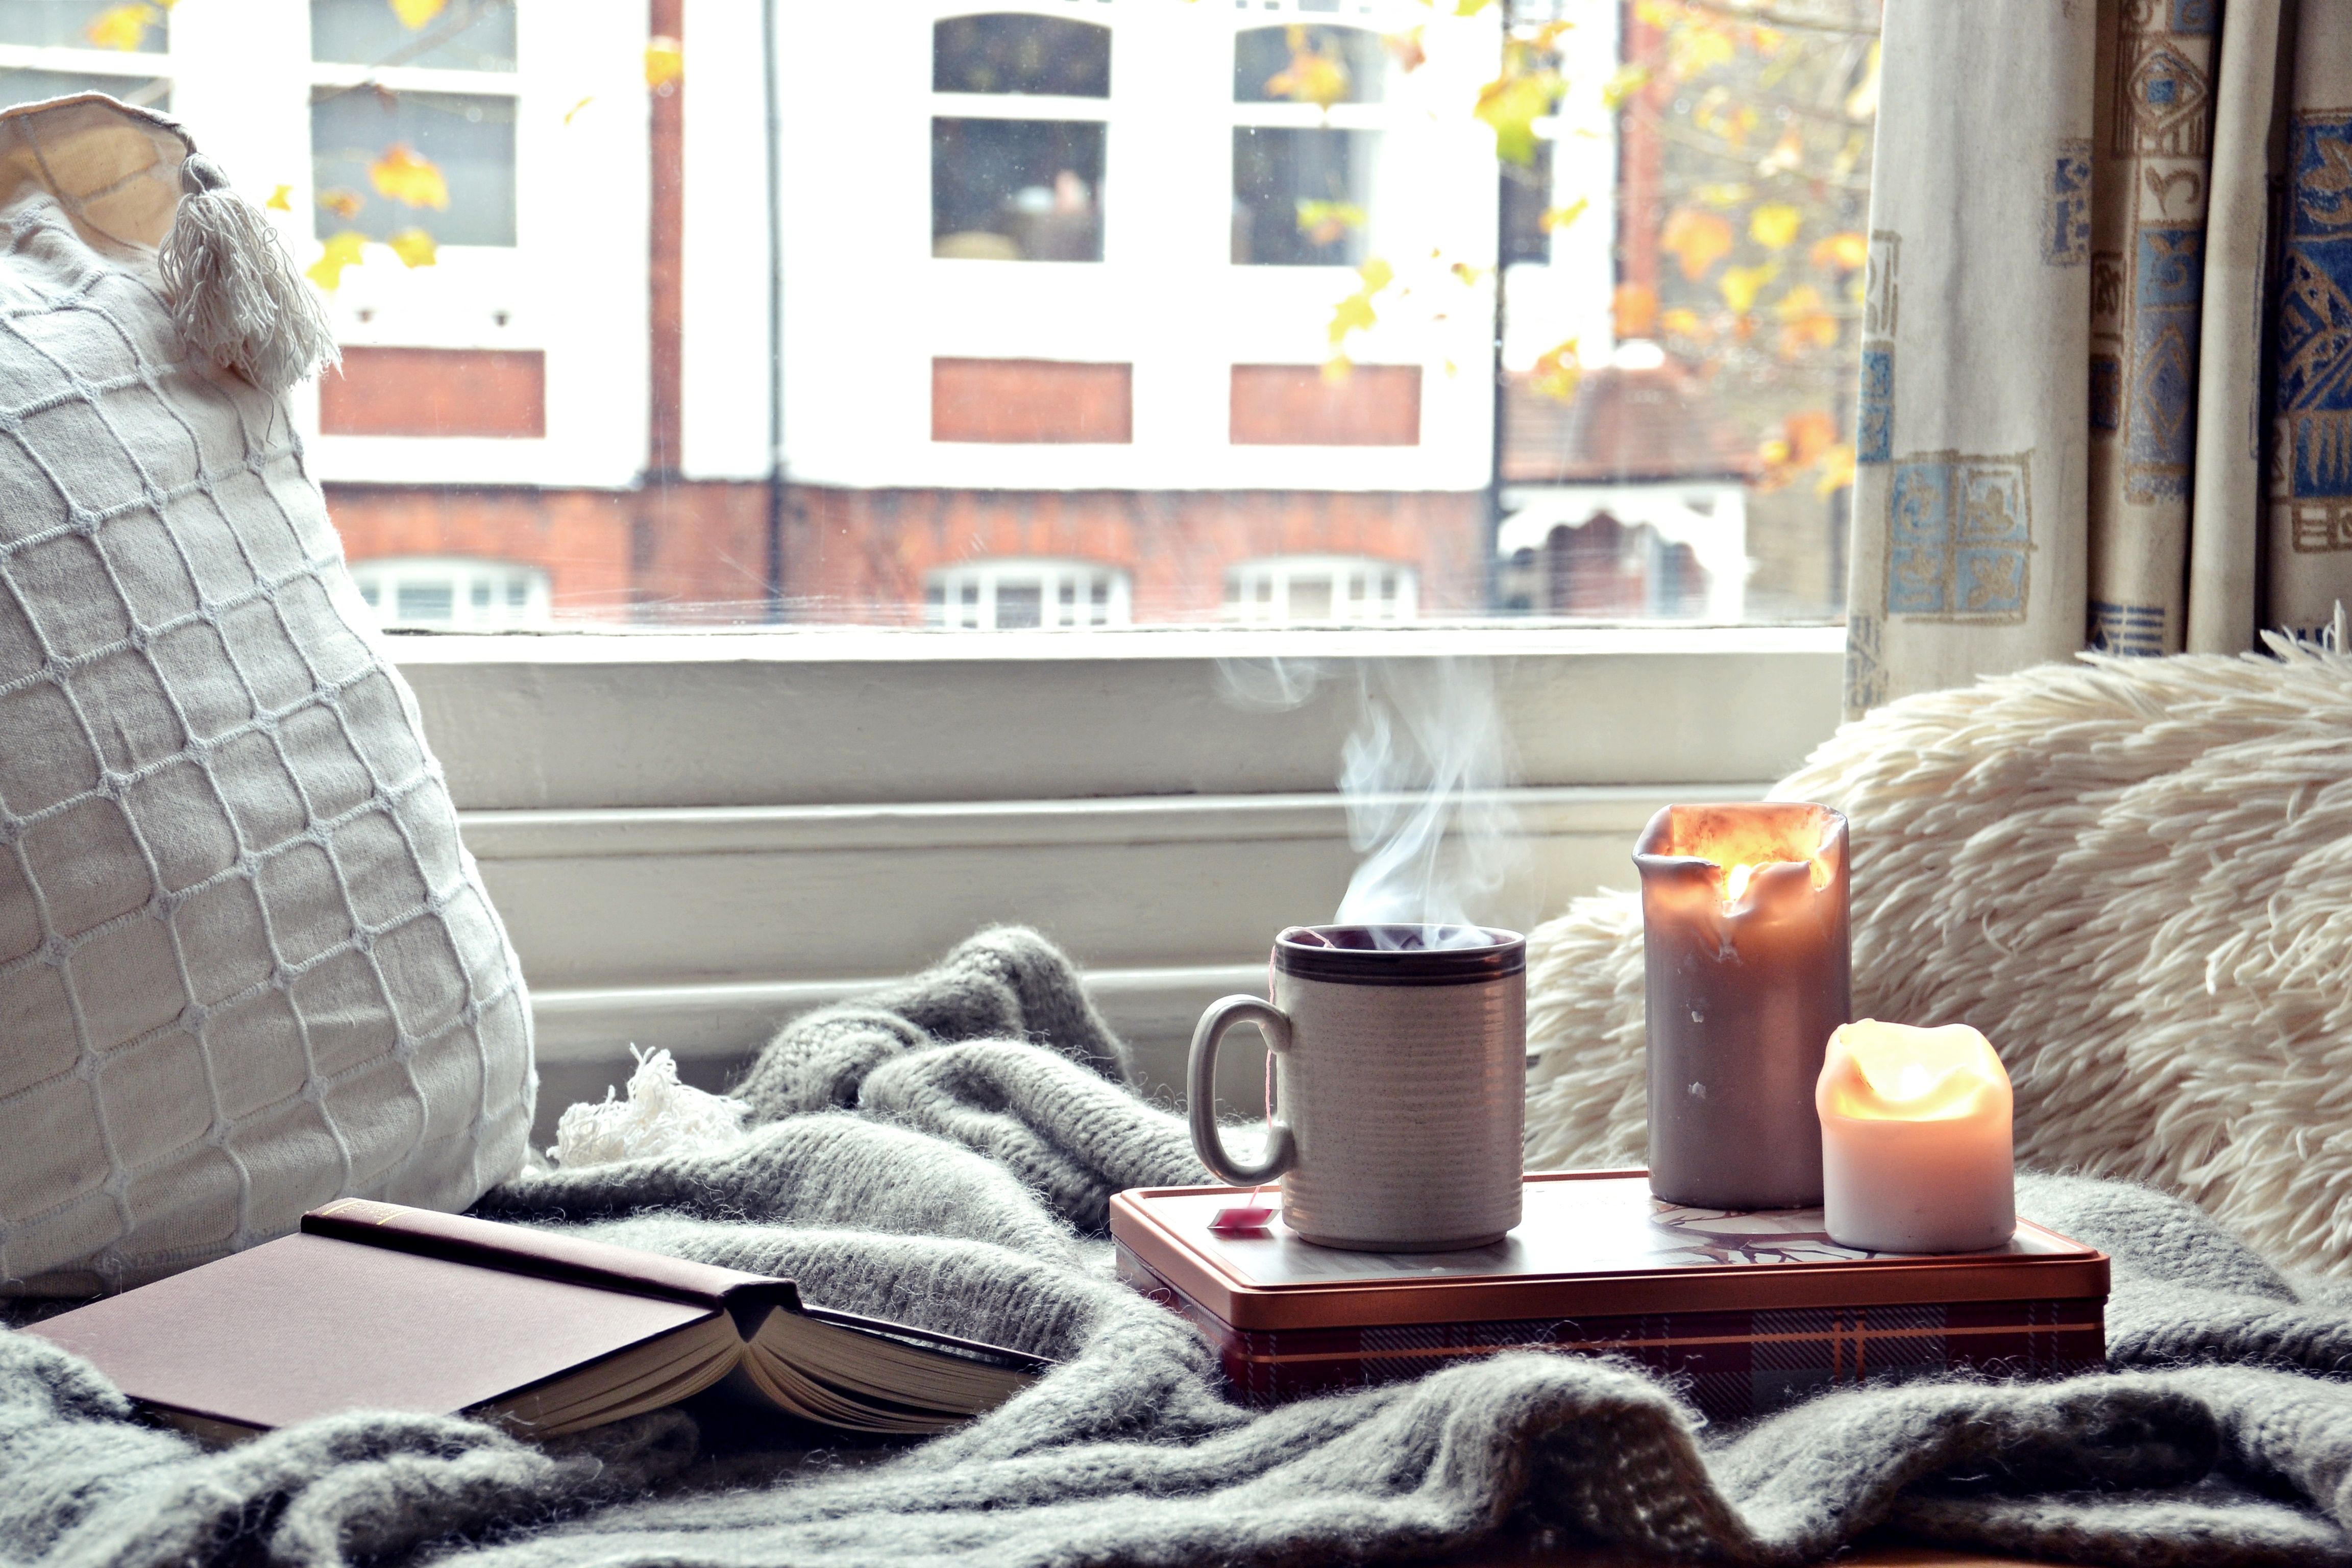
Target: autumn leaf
{"x": 1809, "y": 433}
{"x": 1623, "y": 83}
{"x": 1845, "y": 250}
{"x": 1513, "y": 102}
{"x": 415, "y": 247}
{"x": 1681, "y": 322}
{"x": 1556, "y": 373}
{"x": 1740, "y": 285}
{"x": 277, "y": 202}
{"x": 1774, "y": 225}
{"x": 345, "y": 202}
{"x": 1405, "y": 49}
{"x": 1355, "y": 313}
{"x": 1807, "y": 322}
{"x": 1722, "y": 196}
{"x": 122, "y": 27}
{"x": 1470, "y": 274}
{"x": 1312, "y": 75}
{"x": 1553, "y": 219}
{"x": 1470, "y": 7}
{"x": 665, "y": 61}
{"x": 1696, "y": 239}
{"x": 345, "y": 249}
{"x": 1694, "y": 47}
{"x": 1837, "y": 469}
{"x": 1786, "y": 156}
{"x": 414, "y": 14}
{"x": 1337, "y": 370}
{"x": 578, "y": 107}
{"x": 1324, "y": 222}
{"x": 1634, "y": 309}
{"x": 1861, "y": 103}
{"x": 404, "y": 176}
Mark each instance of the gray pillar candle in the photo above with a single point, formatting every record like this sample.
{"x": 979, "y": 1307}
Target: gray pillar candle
{"x": 1745, "y": 928}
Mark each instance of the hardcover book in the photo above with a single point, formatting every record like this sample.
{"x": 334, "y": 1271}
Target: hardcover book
{"x": 1750, "y": 1312}
{"x": 376, "y": 1306}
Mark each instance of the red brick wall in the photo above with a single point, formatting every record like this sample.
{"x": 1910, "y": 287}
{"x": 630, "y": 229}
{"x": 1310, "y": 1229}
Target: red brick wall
{"x": 697, "y": 551}
{"x": 1297, "y": 406}
{"x": 436, "y": 392}
{"x": 1032, "y": 400}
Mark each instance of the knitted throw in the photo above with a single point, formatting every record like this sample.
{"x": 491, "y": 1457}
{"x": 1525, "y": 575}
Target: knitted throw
{"x": 943, "y": 1155}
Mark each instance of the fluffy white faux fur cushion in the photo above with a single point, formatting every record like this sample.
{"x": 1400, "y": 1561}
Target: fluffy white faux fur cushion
{"x": 2134, "y": 875}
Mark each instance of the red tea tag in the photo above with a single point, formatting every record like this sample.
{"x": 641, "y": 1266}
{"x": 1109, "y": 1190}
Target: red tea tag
{"x": 1255, "y": 1217}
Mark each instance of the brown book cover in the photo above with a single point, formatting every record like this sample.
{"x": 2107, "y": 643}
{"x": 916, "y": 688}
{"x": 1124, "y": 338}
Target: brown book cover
{"x": 379, "y": 1307}
{"x": 1748, "y": 1311}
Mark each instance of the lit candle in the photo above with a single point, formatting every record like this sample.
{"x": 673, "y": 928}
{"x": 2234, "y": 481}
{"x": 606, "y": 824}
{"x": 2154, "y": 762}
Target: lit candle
{"x": 1745, "y": 927}
{"x": 1915, "y": 1153}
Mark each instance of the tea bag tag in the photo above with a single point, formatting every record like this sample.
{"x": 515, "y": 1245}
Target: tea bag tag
{"x": 1244, "y": 1218}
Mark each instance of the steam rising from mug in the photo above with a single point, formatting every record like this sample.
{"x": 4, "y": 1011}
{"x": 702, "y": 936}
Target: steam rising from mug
{"x": 1422, "y": 775}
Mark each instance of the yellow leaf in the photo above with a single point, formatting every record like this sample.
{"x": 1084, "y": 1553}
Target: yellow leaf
{"x": 1696, "y": 46}
{"x": 1845, "y": 250}
{"x": 1556, "y": 373}
{"x": 1512, "y": 103}
{"x": 344, "y": 249}
{"x": 404, "y": 176}
{"x": 1634, "y": 310}
{"x": 1698, "y": 239}
{"x": 578, "y": 107}
{"x": 343, "y": 203}
{"x": 1324, "y": 222}
{"x": 415, "y": 247}
{"x": 1722, "y": 196}
{"x": 1681, "y": 322}
{"x": 1355, "y": 313}
{"x": 1740, "y": 285}
{"x": 1470, "y": 274}
{"x": 414, "y": 14}
{"x": 1837, "y": 469}
{"x": 1786, "y": 156}
{"x": 1809, "y": 433}
{"x": 665, "y": 61}
{"x": 1312, "y": 75}
{"x": 1623, "y": 83}
{"x": 1406, "y": 49}
{"x": 1470, "y": 7}
{"x": 1554, "y": 219}
{"x": 1774, "y": 225}
{"x": 277, "y": 202}
{"x": 1861, "y": 103}
{"x": 1338, "y": 369}
{"x": 122, "y": 27}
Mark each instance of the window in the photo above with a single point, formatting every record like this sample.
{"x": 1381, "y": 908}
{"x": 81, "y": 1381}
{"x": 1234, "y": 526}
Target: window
{"x": 1017, "y": 189}
{"x": 452, "y": 594}
{"x": 1310, "y": 590}
{"x": 1303, "y": 193}
{"x": 51, "y": 48}
{"x": 368, "y": 151}
{"x": 1027, "y": 596}
{"x": 465, "y": 35}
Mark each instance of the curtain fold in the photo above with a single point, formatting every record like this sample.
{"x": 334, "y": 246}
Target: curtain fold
{"x": 2106, "y": 360}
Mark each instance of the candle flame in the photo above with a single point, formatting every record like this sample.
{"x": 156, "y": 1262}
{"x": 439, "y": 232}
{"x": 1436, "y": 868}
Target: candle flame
{"x": 1888, "y": 1073}
{"x": 1736, "y": 883}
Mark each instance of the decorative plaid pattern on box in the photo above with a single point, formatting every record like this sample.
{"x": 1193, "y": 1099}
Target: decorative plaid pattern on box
{"x": 1731, "y": 1364}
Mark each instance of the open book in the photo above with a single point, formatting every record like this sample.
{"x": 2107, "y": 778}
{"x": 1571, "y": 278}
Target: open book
{"x": 377, "y": 1307}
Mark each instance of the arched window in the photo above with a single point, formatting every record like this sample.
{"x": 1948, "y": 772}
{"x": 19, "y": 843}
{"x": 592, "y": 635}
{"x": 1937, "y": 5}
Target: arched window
{"x": 1007, "y": 189}
{"x": 462, "y": 592}
{"x": 1026, "y": 593}
{"x": 1301, "y": 590}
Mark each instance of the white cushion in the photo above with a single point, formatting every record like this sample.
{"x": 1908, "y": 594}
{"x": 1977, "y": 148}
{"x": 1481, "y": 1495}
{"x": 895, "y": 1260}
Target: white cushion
{"x": 246, "y": 966}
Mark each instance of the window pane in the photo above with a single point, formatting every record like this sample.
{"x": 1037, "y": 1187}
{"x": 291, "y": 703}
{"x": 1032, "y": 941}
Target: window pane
{"x": 1309, "y": 65}
{"x": 32, "y": 86}
{"x": 1017, "y": 190}
{"x": 1045, "y": 55}
{"x": 366, "y": 147}
{"x": 1526, "y": 198}
{"x": 1301, "y": 197}
{"x": 84, "y": 25}
{"x": 1017, "y": 606}
{"x": 425, "y": 602}
{"x": 467, "y": 36}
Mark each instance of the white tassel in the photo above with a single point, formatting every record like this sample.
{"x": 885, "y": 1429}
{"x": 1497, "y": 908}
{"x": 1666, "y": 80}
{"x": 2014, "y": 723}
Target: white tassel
{"x": 233, "y": 289}
{"x": 661, "y": 1116}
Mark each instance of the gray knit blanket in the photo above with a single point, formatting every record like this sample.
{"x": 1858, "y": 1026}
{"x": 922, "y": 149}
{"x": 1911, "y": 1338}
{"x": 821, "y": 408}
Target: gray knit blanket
{"x": 944, "y": 1154}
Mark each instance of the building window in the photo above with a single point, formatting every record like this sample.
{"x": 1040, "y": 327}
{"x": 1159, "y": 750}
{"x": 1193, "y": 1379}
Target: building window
{"x": 85, "y": 25}
{"x": 467, "y": 36}
{"x": 1303, "y": 191}
{"x": 1306, "y": 590}
{"x": 54, "y": 49}
{"x": 1026, "y": 596}
{"x": 383, "y": 164}
{"x": 1048, "y": 56}
{"x": 1005, "y": 189}
{"x": 453, "y": 593}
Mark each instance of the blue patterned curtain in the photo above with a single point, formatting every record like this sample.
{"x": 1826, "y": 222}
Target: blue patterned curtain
{"x": 2106, "y": 383}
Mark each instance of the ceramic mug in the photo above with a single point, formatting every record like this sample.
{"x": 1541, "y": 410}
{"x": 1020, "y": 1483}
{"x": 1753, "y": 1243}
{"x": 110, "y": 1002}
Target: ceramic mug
{"x": 1400, "y": 1083}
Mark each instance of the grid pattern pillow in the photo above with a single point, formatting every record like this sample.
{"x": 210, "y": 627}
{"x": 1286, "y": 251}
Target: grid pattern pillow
{"x": 246, "y": 966}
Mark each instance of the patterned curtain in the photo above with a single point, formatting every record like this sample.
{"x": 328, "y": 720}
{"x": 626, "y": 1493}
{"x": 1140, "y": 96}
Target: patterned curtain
{"x": 2107, "y": 367}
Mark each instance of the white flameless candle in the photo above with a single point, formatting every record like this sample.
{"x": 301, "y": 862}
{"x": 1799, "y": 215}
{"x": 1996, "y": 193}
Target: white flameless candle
{"x": 1916, "y": 1145}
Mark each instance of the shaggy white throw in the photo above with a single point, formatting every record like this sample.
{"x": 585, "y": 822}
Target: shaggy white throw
{"x": 2134, "y": 875}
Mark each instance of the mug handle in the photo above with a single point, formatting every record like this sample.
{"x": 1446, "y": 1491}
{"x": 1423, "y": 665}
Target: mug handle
{"x": 1201, "y": 1090}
